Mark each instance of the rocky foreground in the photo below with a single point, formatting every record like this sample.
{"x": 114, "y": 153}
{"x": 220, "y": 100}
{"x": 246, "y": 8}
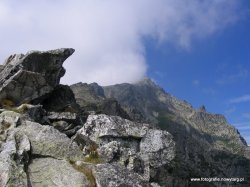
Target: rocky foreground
{"x": 125, "y": 135}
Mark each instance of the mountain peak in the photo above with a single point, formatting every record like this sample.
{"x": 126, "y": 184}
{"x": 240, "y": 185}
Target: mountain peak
{"x": 147, "y": 82}
{"x": 202, "y": 109}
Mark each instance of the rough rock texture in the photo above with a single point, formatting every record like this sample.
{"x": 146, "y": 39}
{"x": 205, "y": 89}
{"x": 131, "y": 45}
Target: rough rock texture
{"x": 24, "y": 142}
{"x": 35, "y": 144}
{"x": 66, "y": 122}
{"x": 54, "y": 172}
{"x": 13, "y": 157}
{"x": 53, "y": 141}
{"x": 206, "y": 145}
{"x": 91, "y": 97}
{"x": 28, "y": 77}
{"x": 114, "y": 175}
{"x": 47, "y": 141}
{"x": 135, "y": 146}
{"x": 61, "y": 99}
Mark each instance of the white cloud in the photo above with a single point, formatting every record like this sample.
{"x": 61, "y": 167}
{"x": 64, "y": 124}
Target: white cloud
{"x": 209, "y": 91}
{"x": 242, "y": 125}
{"x": 230, "y": 111}
{"x": 196, "y": 82}
{"x": 239, "y": 74}
{"x": 108, "y": 35}
{"x": 244, "y": 128}
{"x": 246, "y": 115}
{"x": 241, "y": 99}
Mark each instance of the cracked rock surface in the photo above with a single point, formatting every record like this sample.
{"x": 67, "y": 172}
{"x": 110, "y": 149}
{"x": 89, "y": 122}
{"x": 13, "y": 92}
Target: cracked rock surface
{"x": 24, "y": 78}
{"x": 48, "y": 140}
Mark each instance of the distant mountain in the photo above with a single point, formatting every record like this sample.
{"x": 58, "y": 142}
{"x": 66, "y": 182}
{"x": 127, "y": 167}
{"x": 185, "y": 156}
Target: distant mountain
{"x": 53, "y": 136}
{"x": 91, "y": 98}
{"x": 161, "y": 108}
{"x": 127, "y": 135}
{"x": 206, "y": 145}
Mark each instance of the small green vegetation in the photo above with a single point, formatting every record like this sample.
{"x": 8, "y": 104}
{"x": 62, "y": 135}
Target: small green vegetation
{"x": 70, "y": 109}
{"x": 164, "y": 119}
{"x": 11, "y": 106}
{"x": 86, "y": 171}
{"x": 234, "y": 147}
{"x": 7, "y": 103}
{"x": 21, "y": 109}
{"x": 3, "y": 127}
{"x": 93, "y": 156}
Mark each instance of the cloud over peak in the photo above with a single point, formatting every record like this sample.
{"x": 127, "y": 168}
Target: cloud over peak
{"x": 241, "y": 99}
{"x": 108, "y": 35}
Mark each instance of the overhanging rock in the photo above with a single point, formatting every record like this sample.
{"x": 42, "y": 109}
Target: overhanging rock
{"x": 24, "y": 78}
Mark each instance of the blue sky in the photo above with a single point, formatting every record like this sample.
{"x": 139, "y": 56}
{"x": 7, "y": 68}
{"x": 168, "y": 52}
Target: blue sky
{"x": 198, "y": 50}
{"x": 214, "y": 72}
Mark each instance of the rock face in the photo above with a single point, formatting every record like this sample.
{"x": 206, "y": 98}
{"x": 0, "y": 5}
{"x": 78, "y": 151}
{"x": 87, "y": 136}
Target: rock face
{"x": 54, "y": 172}
{"x": 25, "y": 148}
{"x": 27, "y": 77}
{"x": 61, "y": 99}
{"x": 206, "y": 145}
{"x": 46, "y": 138}
{"x": 135, "y": 146}
{"x": 123, "y": 135}
{"x": 130, "y": 137}
{"x": 123, "y": 177}
{"x": 91, "y": 97}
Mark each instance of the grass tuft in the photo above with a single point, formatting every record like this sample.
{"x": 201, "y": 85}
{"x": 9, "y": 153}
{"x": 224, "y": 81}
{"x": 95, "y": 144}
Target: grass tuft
{"x": 86, "y": 171}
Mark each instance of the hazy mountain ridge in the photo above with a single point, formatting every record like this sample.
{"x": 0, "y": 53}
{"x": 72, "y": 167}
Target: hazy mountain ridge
{"x": 203, "y": 139}
{"x": 123, "y": 135}
{"x": 155, "y": 104}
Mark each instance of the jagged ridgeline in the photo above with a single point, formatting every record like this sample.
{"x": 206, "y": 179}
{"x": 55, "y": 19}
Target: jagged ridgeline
{"x": 126, "y": 135}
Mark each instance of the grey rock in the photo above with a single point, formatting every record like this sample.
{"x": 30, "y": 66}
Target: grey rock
{"x": 1, "y": 68}
{"x": 157, "y": 145}
{"x": 153, "y": 184}
{"x": 90, "y": 97}
{"x": 110, "y": 151}
{"x": 55, "y": 173}
{"x": 45, "y": 148}
{"x": 65, "y": 116}
{"x": 11, "y": 118}
{"x": 247, "y": 153}
{"x": 69, "y": 129}
{"x": 61, "y": 125}
{"x": 66, "y": 122}
{"x": 13, "y": 160}
{"x": 28, "y": 77}
{"x": 47, "y": 141}
{"x": 34, "y": 113}
{"x": 61, "y": 99}
{"x": 8, "y": 121}
{"x": 101, "y": 126}
{"x": 113, "y": 175}
{"x": 205, "y": 142}
{"x": 134, "y": 145}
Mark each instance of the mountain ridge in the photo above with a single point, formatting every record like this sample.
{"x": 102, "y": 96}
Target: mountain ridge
{"x": 91, "y": 136}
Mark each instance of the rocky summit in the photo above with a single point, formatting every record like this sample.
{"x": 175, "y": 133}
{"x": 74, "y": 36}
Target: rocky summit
{"x": 125, "y": 135}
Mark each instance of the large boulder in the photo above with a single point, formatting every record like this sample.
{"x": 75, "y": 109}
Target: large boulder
{"x": 14, "y": 156}
{"x": 113, "y": 175}
{"x": 55, "y": 173}
{"x": 32, "y": 154}
{"x": 138, "y": 147}
{"x": 59, "y": 100}
{"x": 49, "y": 142}
{"x": 24, "y": 78}
{"x": 67, "y": 122}
{"x": 90, "y": 97}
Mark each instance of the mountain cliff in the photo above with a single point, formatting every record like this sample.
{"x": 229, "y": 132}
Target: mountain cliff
{"x": 206, "y": 145}
{"x": 131, "y": 135}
